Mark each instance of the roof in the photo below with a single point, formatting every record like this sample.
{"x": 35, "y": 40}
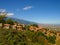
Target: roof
{"x": 6, "y": 24}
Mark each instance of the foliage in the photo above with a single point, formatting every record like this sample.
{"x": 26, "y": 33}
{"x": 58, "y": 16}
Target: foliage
{"x": 27, "y": 37}
{"x": 2, "y": 18}
{"x": 10, "y": 21}
{"x": 34, "y": 25}
{"x": 52, "y": 39}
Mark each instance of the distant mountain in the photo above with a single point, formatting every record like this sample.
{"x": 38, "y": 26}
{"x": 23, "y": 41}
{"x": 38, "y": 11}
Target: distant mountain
{"x": 50, "y": 26}
{"x": 23, "y": 21}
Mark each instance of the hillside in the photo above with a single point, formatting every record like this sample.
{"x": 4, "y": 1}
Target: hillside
{"x": 13, "y": 33}
{"x": 27, "y": 37}
{"x": 23, "y": 21}
{"x": 49, "y": 26}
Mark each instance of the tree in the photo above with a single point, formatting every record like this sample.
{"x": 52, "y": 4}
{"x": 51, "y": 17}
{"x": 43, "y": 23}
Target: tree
{"x": 34, "y": 25}
{"x": 2, "y": 18}
{"x": 52, "y": 39}
{"x": 9, "y": 21}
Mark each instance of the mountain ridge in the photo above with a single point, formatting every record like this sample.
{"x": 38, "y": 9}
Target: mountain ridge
{"x": 23, "y": 21}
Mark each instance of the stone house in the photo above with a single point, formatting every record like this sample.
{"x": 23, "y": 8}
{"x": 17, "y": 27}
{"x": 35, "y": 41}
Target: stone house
{"x": 33, "y": 28}
{"x": 44, "y": 31}
{"x": 19, "y": 27}
{"x": 51, "y": 34}
{"x": 23, "y": 25}
{"x": 48, "y": 33}
{"x": 6, "y": 26}
{"x": 14, "y": 27}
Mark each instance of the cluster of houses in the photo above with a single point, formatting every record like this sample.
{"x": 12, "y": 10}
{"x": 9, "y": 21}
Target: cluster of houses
{"x": 19, "y": 26}
{"x": 32, "y": 28}
{"x": 45, "y": 31}
{"x": 14, "y": 26}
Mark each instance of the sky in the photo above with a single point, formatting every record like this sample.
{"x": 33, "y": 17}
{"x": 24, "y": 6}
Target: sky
{"x": 40, "y": 11}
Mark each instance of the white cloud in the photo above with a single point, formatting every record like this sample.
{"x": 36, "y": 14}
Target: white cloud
{"x": 2, "y": 10}
{"x": 27, "y": 7}
{"x": 10, "y": 14}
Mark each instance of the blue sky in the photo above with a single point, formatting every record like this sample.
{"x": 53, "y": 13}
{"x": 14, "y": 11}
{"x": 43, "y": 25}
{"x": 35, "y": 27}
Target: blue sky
{"x": 41, "y": 11}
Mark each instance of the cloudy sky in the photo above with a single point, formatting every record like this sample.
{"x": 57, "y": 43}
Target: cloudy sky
{"x": 41, "y": 11}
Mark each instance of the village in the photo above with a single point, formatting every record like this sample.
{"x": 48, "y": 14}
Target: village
{"x": 9, "y": 24}
{"x": 22, "y": 27}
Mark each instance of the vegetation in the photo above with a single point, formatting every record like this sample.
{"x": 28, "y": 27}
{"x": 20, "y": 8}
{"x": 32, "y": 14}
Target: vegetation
{"x": 27, "y": 37}
{"x": 34, "y": 25}
{"x": 2, "y": 18}
{"x": 10, "y": 21}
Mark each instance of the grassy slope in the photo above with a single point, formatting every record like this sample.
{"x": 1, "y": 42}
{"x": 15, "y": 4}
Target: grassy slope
{"x": 14, "y": 37}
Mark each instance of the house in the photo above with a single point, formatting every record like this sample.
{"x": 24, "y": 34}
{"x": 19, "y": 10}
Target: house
{"x": 48, "y": 33}
{"x": 44, "y": 31}
{"x": 33, "y": 28}
{"x": 1, "y": 25}
{"x": 19, "y": 27}
{"x": 15, "y": 23}
{"x": 6, "y": 26}
{"x": 52, "y": 34}
{"x": 23, "y": 25}
{"x": 38, "y": 28}
{"x": 14, "y": 26}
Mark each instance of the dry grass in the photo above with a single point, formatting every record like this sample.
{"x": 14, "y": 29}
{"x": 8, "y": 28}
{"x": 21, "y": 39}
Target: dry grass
{"x": 58, "y": 40}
